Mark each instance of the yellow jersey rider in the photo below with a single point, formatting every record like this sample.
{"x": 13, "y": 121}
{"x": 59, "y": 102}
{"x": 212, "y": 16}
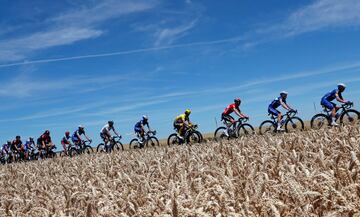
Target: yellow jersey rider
{"x": 182, "y": 122}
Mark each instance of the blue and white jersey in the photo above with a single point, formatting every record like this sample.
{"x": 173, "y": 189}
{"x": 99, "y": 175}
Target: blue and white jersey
{"x": 277, "y": 102}
{"x": 330, "y": 96}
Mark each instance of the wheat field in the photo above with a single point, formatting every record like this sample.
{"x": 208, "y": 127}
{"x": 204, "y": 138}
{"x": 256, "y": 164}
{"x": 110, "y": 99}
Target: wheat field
{"x": 312, "y": 173}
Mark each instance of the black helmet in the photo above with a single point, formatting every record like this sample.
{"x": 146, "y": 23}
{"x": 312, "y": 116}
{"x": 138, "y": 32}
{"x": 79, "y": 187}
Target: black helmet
{"x": 47, "y": 132}
{"x": 237, "y": 100}
{"x": 111, "y": 123}
{"x": 18, "y": 137}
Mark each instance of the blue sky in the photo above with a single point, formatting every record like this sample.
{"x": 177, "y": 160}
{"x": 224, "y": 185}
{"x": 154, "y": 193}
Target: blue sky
{"x": 65, "y": 63}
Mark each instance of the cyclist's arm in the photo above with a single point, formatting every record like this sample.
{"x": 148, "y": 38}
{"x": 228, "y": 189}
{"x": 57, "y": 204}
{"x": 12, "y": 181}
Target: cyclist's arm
{"x": 116, "y": 133}
{"x": 285, "y": 105}
{"x": 88, "y": 139}
{"x": 340, "y": 98}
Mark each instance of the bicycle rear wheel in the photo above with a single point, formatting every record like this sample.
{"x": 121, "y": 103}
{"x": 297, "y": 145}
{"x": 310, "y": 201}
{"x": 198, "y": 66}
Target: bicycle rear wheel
{"x": 220, "y": 134}
{"x": 267, "y": 127}
{"x": 134, "y": 144}
{"x": 294, "y": 124}
{"x": 319, "y": 121}
{"x": 101, "y": 148}
{"x": 173, "y": 140}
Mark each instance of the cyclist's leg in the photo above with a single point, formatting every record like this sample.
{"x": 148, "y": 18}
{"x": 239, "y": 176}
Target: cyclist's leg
{"x": 277, "y": 114}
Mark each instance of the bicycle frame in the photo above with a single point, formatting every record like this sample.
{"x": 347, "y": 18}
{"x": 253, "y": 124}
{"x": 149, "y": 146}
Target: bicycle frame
{"x": 342, "y": 110}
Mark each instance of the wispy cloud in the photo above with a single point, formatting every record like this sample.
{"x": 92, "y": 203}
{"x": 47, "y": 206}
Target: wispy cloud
{"x": 127, "y": 52}
{"x": 317, "y": 16}
{"x": 24, "y": 85}
{"x": 166, "y": 36}
{"x": 69, "y": 27}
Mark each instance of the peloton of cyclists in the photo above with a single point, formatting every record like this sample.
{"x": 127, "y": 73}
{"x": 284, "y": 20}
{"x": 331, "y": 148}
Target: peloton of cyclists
{"x": 105, "y": 132}
{"x": 276, "y": 103}
{"x": 228, "y": 119}
{"x": 327, "y": 99}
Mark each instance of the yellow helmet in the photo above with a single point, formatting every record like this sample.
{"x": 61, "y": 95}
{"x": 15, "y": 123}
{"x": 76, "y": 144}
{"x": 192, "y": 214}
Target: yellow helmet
{"x": 187, "y": 111}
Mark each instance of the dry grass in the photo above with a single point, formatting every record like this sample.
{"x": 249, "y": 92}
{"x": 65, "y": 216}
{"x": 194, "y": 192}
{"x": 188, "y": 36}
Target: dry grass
{"x": 305, "y": 174}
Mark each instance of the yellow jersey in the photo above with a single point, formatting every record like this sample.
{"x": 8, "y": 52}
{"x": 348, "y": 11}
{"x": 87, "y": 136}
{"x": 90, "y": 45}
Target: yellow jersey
{"x": 182, "y": 118}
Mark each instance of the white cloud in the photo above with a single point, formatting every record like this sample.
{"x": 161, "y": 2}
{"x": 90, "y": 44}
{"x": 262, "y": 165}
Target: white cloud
{"x": 169, "y": 35}
{"x": 323, "y": 14}
{"x": 69, "y": 27}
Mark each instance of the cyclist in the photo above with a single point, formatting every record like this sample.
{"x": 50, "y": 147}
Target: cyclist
{"x": 279, "y": 101}
{"x": 44, "y": 142}
{"x": 5, "y": 151}
{"x": 326, "y": 101}
{"x": 65, "y": 141}
{"x": 228, "y": 119}
{"x": 29, "y": 147}
{"x": 182, "y": 122}
{"x": 105, "y": 132}
{"x": 17, "y": 146}
{"x": 76, "y": 137}
{"x": 139, "y": 128}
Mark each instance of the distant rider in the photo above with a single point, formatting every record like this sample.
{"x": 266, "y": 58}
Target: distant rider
{"x": 139, "y": 128}
{"x": 229, "y": 120}
{"x": 105, "y": 132}
{"x": 76, "y": 137}
{"x": 326, "y": 101}
{"x": 279, "y": 101}
{"x": 182, "y": 122}
{"x": 65, "y": 142}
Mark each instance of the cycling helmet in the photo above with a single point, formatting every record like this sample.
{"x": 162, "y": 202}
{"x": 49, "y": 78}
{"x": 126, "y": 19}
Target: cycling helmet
{"x": 8, "y": 142}
{"x": 284, "y": 93}
{"x": 31, "y": 139}
{"x": 47, "y": 132}
{"x": 237, "y": 100}
{"x": 67, "y": 133}
{"x": 187, "y": 111}
{"x": 81, "y": 127}
{"x": 18, "y": 137}
{"x": 145, "y": 118}
{"x": 341, "y": 86}
{"x": 111, "y": 123}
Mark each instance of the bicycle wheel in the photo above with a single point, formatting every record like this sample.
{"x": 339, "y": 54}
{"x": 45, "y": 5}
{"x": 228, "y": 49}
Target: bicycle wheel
{"x": 200, "y": 136}
{"x": 118, "y": 146}
{"x": 193, "y": 137}
{"x": 134, "y": 144}
{"x": 246, "y": 130}
{"x": 350, "y": 117}
{"x": 73, "y": 152}
{"x": 220, "y": 134}
{"x": 173, "y": 140}
{"x": 101, "y": 148}
{"x": 152, "y": 142}
{"x": 267, "y": 127}
{"x": 88, "y": 149}
{"x": 294, "y": 124}
{"x": 320, "y": 121}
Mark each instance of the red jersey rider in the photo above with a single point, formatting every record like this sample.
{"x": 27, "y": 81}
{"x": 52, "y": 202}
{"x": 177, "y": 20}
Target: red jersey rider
{"x": 228, "y": 119}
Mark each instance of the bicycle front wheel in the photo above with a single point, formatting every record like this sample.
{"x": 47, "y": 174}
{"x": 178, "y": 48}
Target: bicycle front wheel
{"x": 88, "y": 149}
{"x": 294, "y": 124}
{"x": 118, "y": 146}
{"x": 246, "y": 130}
{"x": 152, "y": 142}
{"x": 193, "y": 137}
{"x": 350, "y": 117}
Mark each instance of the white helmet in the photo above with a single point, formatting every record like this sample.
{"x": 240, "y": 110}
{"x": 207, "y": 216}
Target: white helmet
{"x": 81, "y": 126}
{"x": 145, "y": 117}
{"x": 283, "y": 92}
{"x": 341, "y": 85}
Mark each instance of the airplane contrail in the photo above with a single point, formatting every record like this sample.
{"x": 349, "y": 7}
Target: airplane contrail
{"x": 135, "y": 51}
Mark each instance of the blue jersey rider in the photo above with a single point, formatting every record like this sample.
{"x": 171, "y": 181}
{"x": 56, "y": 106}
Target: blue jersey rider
{"x": 276, "y": 103}
{"x": 326, "y": 101}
